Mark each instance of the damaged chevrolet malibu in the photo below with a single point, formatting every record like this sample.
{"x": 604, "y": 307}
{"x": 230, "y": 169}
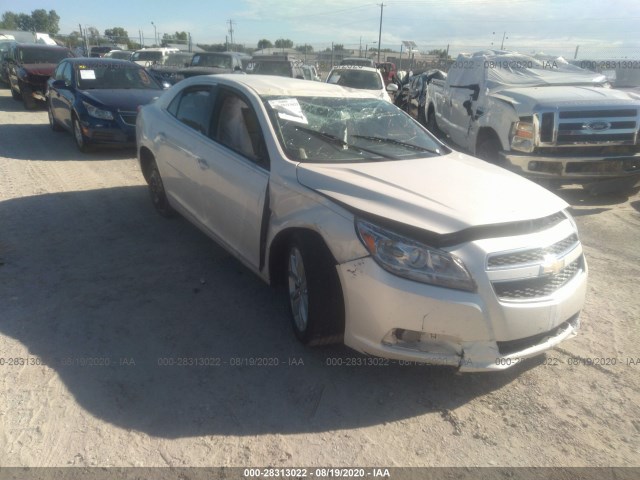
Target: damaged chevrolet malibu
{"x": 383, "y": 237}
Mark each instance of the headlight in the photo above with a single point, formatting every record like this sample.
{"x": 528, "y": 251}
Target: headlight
{"x": 97, "y": 112}
{"x": 522, "y": 136}
{"x": 413, "y": 260}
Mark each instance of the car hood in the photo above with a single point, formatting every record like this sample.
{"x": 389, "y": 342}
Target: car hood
{"x": 44, "y": 69}
{"x": 444, "y": 194}
{"x": 530, "y": 98}
{"x": 122, "y": 99}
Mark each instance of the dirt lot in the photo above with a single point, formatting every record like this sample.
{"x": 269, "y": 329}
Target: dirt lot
{"x": 98, "y": 294}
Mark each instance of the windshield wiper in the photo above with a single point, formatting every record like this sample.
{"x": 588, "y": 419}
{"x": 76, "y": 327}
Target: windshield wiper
{"x": 397, "y": 142}
{"x": 340, "y": 142}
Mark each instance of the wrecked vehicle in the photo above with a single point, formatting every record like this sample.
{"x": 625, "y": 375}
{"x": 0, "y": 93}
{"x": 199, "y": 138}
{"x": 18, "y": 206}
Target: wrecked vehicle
{"x": 545, "y": 119}
{"x": 28, "y": 69}
{"x": 384, "y": 238}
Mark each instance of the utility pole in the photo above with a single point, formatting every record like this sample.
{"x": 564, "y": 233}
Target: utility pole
{"x": 575, "y": 55}
{"x": 380, "y": 31}
{"x": 231, "y": 22}
{"x": 331, "y": 54}
{"x": 503, "y": 37}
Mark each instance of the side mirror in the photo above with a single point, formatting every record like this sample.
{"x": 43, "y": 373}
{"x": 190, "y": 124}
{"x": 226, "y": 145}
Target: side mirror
{"x": 392, "y": 88}
{"x": 59, "y": 84}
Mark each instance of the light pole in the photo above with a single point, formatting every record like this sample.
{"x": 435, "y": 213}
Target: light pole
{"x": 155, "y": 34}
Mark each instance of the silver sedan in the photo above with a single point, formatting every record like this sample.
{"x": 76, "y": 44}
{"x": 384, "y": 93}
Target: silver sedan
{"x": 385, "y": 238}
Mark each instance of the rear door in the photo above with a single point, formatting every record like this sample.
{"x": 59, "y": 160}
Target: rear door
{"x": 236, "y": 175}
{"x": 183, "y": 146}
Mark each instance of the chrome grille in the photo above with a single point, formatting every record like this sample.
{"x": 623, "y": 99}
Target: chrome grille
{"x": 607, "y": 126}
{"x": 535, "y": 255}
{"x": 538, "y": 287}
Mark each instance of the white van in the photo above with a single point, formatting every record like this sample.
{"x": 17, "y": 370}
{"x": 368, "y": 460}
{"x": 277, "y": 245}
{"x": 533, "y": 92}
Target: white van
{"x": 152, "y": 56}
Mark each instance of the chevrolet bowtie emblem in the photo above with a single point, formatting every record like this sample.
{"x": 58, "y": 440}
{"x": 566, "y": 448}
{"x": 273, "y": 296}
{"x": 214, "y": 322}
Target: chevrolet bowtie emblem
{"x": 551, "y": 265}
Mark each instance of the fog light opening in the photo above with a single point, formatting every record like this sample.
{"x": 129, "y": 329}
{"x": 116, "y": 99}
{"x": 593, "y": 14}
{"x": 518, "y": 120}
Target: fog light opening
{"x": 425, "y": 342}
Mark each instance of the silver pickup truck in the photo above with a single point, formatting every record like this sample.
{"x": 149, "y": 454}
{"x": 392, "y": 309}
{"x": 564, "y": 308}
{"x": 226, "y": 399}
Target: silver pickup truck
{"x": 545, "y": 119}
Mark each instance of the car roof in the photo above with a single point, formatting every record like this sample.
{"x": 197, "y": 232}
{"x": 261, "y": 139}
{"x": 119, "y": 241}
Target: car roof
{"x": 355, "y": 67}
{"x": 88, "y": 61}
{"x": 269, "y": 85}
{"x": 39, "y": 46}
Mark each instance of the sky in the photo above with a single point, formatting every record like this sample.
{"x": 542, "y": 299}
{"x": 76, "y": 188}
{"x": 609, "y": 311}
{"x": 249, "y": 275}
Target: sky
{"x": 600, "y": 29}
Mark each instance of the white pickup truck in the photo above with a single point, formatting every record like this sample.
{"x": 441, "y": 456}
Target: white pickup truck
{"x": 545, "y": 119}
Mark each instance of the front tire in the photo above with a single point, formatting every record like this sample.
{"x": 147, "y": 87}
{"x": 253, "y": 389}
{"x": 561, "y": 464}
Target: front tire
{"x": 15, "y": 95}
{"x": 27, "y": 100}
{"x": 81, "y": 141}
{"x": 489, "y": 151}
{"x": 316, "y": 303}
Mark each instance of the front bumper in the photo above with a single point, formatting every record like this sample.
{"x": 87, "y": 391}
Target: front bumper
{"x": 469, "y": 331}
{"x": 108, "y": 132}
{"x": 573, "y": 169}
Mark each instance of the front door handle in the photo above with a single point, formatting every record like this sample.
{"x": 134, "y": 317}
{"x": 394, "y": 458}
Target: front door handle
{"x": 202, "y": 163}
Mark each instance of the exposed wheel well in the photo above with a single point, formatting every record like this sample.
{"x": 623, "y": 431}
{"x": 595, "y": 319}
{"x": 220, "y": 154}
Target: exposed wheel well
{"x": 278, "y": 252}
{"x": 146, "y": 159}
{"x": 487, "y": 133}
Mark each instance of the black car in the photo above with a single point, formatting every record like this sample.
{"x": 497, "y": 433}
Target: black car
{"x": 98, "y": 98}
{"x": 166, "y": 72}
{"x": 412, "y": 96}
{"x": 278, "y": 65}
{"x": 213, "y": 63}
{"x": 29, "y": 65}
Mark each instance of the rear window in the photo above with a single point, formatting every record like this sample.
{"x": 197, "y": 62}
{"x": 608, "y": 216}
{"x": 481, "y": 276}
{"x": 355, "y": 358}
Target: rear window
{"x": 147, "y": 57}
{"x": 42, "y": 55}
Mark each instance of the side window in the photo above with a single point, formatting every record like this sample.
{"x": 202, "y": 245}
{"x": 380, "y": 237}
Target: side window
{"x": 193, "y": 108}
{"x": 67, "y": 73}
{"x": 237, "y": 128}
{"x": 57, "y": 75}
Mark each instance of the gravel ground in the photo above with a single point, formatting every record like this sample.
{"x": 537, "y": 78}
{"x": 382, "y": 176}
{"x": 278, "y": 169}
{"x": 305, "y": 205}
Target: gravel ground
{"x": 98, "y": 294}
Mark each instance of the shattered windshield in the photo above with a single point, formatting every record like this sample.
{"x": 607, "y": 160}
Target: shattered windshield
{"x": 342, "y": 130}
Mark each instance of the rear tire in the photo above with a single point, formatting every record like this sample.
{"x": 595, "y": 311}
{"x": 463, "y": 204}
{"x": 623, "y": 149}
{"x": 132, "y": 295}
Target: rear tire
{"x": 421, "y": 117}
{"x": 432, "y": 123}
{"x": 157, "y": 193}
{"x": 53, "y": 123}
{"x": 316, "y": 303}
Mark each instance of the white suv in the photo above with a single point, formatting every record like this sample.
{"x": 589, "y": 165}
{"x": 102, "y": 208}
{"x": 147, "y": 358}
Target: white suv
{"x": 362, "y": 78}
{"x": 152, "y": 56}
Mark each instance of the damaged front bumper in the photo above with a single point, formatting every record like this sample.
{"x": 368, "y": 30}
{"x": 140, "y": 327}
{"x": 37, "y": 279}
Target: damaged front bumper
{"x": 574, "y": 169}
{"x": 406, "y": 321}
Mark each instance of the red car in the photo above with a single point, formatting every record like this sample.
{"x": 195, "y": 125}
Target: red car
{"x": 29, "y": 68}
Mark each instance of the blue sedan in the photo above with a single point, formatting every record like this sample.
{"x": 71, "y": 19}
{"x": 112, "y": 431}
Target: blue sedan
{"x": 98, "y": 100}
